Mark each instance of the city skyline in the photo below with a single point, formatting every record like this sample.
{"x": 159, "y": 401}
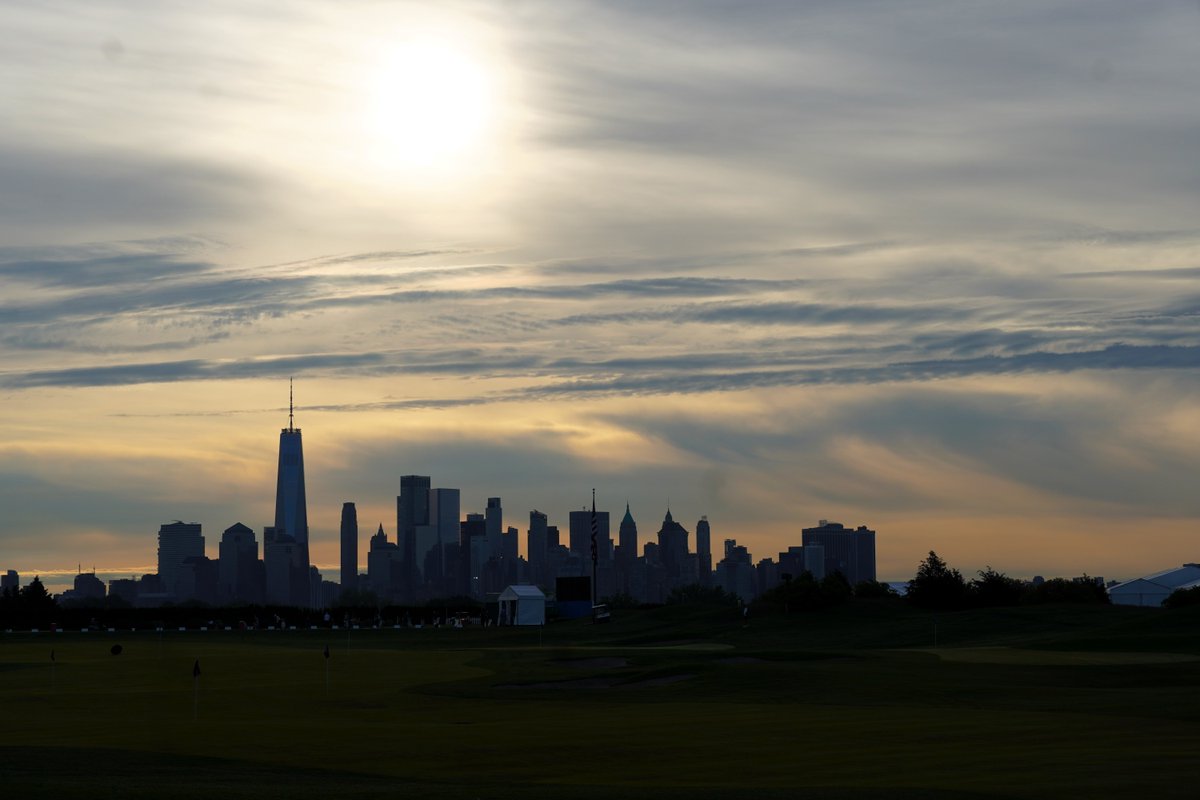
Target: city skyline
{"x": 930, "y": 269}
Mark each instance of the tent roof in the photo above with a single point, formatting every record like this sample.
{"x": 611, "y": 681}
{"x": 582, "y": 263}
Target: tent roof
{"x": 523, "y": 590}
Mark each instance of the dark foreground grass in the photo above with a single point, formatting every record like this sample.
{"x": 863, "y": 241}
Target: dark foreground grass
{"x": 668, "y": 703}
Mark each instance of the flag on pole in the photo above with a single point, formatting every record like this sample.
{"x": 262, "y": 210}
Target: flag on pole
{"x": 196, "y": 669}
{"x": 51, "y": 655}
{"x": 595, "y": 526}
{"x": 326, "y": 651}
{"x": 595, "y": 532}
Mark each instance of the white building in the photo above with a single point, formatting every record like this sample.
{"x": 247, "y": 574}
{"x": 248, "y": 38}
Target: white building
{"x": 1152, "y": 590}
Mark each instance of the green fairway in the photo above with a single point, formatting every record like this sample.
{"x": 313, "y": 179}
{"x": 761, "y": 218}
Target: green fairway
{"x": 671, "y": 702}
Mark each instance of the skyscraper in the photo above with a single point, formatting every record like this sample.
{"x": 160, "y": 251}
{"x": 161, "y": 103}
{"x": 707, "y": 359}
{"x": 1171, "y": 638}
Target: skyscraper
{"x": 412, "y": 513}
{"x": 238, "y": 568}
{"x": 627, "y": 539}
{"x": 177, "y": 542}
{"x": 291, "y": 509}
{"x": 536, "y": 547}
{"x": 704, "y": 550}
{"x": 349, "y": 541}
{"x": 850, "y": 552}
{"x": 495, "y": 526}
{"x": 285, "y": 546}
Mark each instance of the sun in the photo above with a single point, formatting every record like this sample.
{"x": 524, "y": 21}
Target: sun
{"x": 430, "y": 104}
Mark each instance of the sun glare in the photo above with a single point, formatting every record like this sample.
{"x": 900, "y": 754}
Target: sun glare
{"x": 430, "y": 106}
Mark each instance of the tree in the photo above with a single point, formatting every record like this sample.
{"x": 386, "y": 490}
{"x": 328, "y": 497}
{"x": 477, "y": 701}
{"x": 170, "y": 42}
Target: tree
{"x": 1069, "y": 590}
{"x": 699, "y": 594}
{"x": 994, "y": 588}
{"x": 873, "y": 589}
{"x": 937, "y": 585}
{"x": 1181, "y": 598}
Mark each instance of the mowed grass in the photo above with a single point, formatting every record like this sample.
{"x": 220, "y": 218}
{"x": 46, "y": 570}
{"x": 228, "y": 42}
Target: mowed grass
{"x": 664, "y": 703}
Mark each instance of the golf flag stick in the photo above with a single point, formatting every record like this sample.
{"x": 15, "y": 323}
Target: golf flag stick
{"x": 196, "y": 690}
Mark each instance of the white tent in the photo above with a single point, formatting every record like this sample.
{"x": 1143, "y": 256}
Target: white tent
{"x": 522, "y": 605}
{"x": 1153, "y": 589}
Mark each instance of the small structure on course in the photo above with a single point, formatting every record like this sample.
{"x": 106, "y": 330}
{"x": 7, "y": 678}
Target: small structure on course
{"x": 522, "y": 605}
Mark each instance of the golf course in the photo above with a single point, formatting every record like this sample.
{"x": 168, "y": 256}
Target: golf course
{"x": 873, "y": 699}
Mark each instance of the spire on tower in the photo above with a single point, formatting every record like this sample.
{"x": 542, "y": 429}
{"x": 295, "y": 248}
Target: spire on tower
{"x": 291, "y": 407}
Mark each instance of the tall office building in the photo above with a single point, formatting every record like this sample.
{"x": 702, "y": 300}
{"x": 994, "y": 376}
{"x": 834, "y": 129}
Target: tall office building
{"x": 495, "y": 527}
{"x": 238, "y": 578}
{"x": 627, "y": 539}
{"x": 673, "y": 552}
{"x": 704, "y": 550}
{"x": 177, "y": 542}
{"x": 412, "y": 513}
{"x": 349, "y": 540}
{"x": 291, "y": 508}
{"x": 850, "y": 552}
{"x": 433, "y": 538}
{"x": 536, "y": 548}
{"x": 580, "y": 533}
{"x": 11, "y": 581}
{"x": 285, "y": 545}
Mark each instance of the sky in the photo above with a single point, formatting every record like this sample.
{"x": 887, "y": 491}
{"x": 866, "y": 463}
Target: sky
{"x": 929, "y": 267}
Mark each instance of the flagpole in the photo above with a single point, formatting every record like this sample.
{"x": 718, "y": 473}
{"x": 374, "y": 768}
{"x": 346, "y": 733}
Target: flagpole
{"x": 196, "y": 690}
{"x": 326, "y": 670}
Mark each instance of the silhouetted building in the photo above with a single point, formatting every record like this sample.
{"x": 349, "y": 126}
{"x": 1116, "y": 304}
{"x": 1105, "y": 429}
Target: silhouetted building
{"x": 432, "y": 540}
{"x": 10, "y": 580}
{"x": 473, "y": 547}
{"x": 124, "y": 588}
{"x": 197, "y": 580}
{"x": 86, "y": 587}
{"x": 349, "y": 542}
{"x": 581, "y": 536}
{"x": 286, "y": 580}
{"x": 626, "y": 553}
{"x": 177, "y": 542}
{"x": 384, "y": 567}
{"x": 240, "y": 576}
{"x": 735, "y": 572}
{"x": 290, "y": 535}
{"x": 412, "y": 516}
{"x": 704, "y": 551}
{"x": 537, "y": 549}
{"x": 678, "y": 570}
{"x": 850, "y": 552}
{"x": 495, "y": 527}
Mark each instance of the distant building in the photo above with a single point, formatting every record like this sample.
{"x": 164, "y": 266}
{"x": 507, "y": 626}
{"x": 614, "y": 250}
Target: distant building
{"x": 581, "y": 536}
{"x": 537, "y": 549}
{"x": 86, "y": 587}
{"x": 124, "y": 588}
{"x": 850, "y": 552}
{"x": 384, "y": 567}
{"x": 412, "y": 515}
{"x": 349, "y": 550}
{"x": 735, "y": 572}
{"x": 177, "y": 542}
{"x": 495, "y": 527}
{"x": 287, "y": 582}
{"x": 704, "y": 551}
{"x": 240, "y": 577}
{"x": 678, "y": 569}
{"x": 10, "y": 581}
